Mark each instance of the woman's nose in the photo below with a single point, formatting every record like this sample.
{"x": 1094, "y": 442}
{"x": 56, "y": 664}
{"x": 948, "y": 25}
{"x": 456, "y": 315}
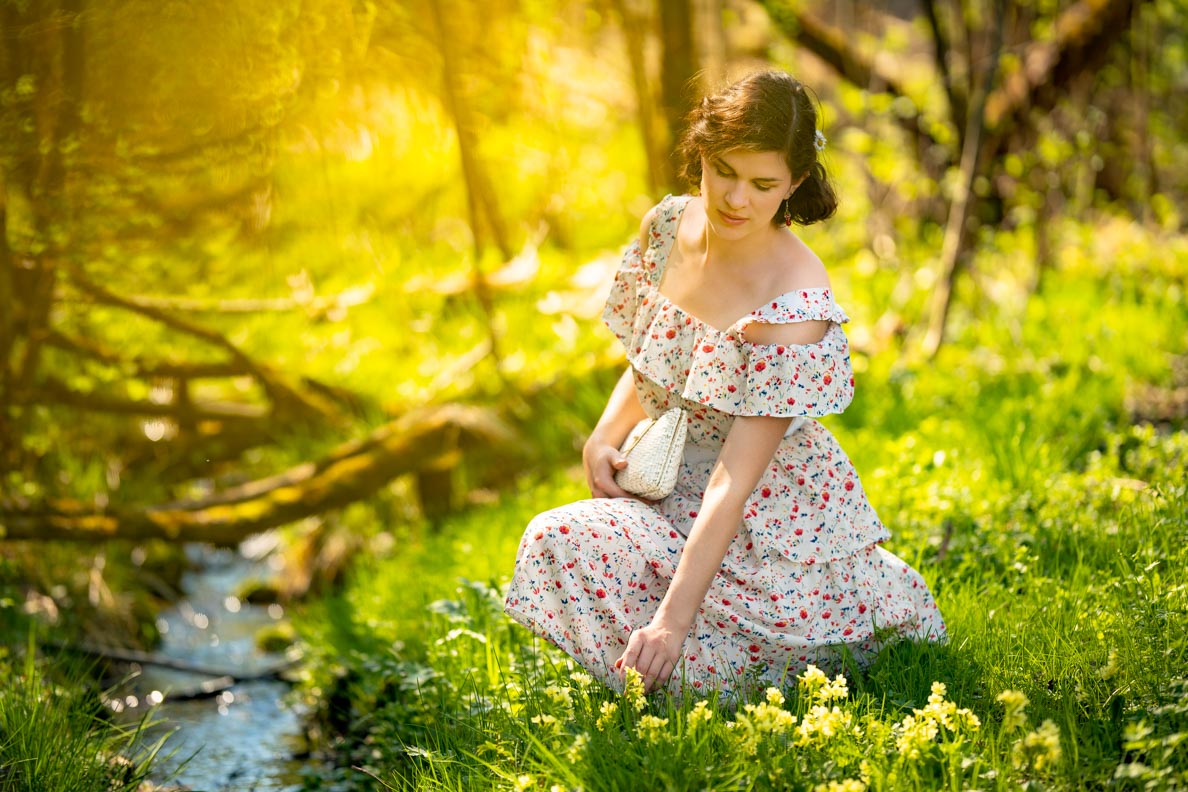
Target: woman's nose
{"x": 736, "y": 195}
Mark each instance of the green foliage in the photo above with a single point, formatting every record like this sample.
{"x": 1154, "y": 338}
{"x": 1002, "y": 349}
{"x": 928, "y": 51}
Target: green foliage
{"x": 1049, "y": 522}
{"x": 55, "y": 736}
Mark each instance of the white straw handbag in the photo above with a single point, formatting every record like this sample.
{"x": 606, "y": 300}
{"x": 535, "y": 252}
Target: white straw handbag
{"x": 654, "y": 449}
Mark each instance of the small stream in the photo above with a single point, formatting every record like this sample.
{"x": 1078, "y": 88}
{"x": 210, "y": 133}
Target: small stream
{"x": 244, "y": 738}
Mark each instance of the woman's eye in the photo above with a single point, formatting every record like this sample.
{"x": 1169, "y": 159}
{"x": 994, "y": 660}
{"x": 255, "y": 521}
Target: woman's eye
{"x": 722, "y": 172}
{"x": 764, "y": 187}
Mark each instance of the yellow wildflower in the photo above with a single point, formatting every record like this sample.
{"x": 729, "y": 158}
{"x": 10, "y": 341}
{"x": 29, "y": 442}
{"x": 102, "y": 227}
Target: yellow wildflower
{"x": 605, "y": 713}
{"x": 578, "y": 748}
{"x": 547, "y": 722}
{"x": 633, "y": 689}
{"x": 848, "y": 785}
{"x": 822, "y": 721}
{"x": 558, "y": 695}
{"x": 774, "y": 697}
{"x": 1040, "y": 749}
{"x": 812, "y": 679}
{"x": 523, "y": 783}
{"x": 837, "y": 689}
{"x": 915, "y": 734}
{"x": 699, "y": 714}
{"x": 651, "y": 728}
{"x": 1015, "y": 703}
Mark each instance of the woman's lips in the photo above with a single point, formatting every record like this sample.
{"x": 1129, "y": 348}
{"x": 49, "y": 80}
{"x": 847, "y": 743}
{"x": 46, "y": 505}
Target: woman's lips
{"x": 730, "y": 219}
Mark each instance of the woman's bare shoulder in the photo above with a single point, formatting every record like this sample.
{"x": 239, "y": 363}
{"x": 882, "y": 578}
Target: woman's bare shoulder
{"x": 799, "y": 267}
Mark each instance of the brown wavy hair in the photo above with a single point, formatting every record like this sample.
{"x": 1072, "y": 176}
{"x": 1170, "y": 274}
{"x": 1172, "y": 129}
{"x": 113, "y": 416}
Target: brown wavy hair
{"x": 764, "y": 111}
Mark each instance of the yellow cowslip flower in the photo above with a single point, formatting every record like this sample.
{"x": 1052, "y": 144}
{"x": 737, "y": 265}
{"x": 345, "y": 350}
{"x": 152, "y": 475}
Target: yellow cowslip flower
{"x": 633, "y": 689}
{"x": 1039, "y": 750}
{"x": 915, "y": 735}
{"x": 824, "y": 722}
{"x": 699, "y": 714}
{"x": 917, "y": 731}
{"x": 1015, "y": 703}
{"x": 577, "y": 748}
{"x": 583, "y": 680}
{"x": 547, "y": 722}
{"x": 775, "y": 697}
{"x": 847, "y": 785}
{"x": 523, "y": 783}
{"x": 812, "y": 679}
{"x": 1110, "y": 669}
{"x": 605, "y": 713}
{"x": 837, "y": 689}
{"x": 651, "y": 728}
{"x": 558, "y": 695}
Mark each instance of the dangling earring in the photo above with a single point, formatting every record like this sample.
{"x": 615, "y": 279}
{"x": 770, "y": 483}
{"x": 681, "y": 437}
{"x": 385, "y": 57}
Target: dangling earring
{"x": 787, "y": 213}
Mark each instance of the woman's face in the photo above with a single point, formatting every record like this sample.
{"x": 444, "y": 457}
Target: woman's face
{"x": 742, "y": 190}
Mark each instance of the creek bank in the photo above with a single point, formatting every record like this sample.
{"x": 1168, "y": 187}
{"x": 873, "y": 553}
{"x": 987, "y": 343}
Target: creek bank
{"x": 228, "y": 734}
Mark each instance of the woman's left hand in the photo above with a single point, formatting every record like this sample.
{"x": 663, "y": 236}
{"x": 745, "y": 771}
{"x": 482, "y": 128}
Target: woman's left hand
{"x": 654, "y": 652}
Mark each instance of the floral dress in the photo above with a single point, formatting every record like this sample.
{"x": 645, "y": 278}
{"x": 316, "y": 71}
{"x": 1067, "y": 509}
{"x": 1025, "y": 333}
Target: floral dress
{"x": 805, "y": 573}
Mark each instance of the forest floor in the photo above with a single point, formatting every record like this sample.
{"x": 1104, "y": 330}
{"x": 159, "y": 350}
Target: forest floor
{"x": 1034, "y": 473}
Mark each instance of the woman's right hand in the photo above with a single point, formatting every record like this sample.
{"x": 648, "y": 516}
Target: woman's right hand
{"x": 601, "y": 462}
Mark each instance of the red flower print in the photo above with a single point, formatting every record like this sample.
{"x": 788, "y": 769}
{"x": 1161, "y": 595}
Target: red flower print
{"x": 781, "y": 624}
{"x": 825, "y": 496}
{"x": 670, "y": 333}
{"x": 826, "y": 614}
{"x": 847, "y": 631}
{"x": 827, "y": 379}
{"x": 760, "y": 366}
{"x": 538, "y": 535}
{"x": 766, "y": 492}
{"x": 862, "y": 607}
{"x": 803, "y": 613}
{"x": 707, "y": 348}
{"x": 731, "y": 388}
{"x": 564, "y": 529}
{"x": 849, "y": 484}
{"x": 800, "y": 481}
{"x": 754, "y": 648}
{"x": 601, "y": 593}
{"x": 779, "y": 350}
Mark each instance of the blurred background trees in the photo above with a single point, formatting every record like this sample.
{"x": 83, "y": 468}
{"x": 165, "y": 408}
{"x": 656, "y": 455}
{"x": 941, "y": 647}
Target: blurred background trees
{"x": 245, "y": 242}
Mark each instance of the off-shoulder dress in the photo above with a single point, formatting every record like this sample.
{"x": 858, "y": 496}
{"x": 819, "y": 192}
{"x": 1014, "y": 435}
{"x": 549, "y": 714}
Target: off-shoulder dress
{"x": 805, "y": 573}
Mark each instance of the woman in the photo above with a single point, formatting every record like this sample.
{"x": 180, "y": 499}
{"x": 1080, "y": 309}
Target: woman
{"x": 766, "y": 557}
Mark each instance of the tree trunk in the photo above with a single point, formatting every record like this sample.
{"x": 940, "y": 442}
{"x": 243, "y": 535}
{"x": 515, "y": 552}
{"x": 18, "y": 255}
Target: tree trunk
{"x": 957, "y": 231}
{"x": 678, "y": 67}
{"x": 635, "y": 37}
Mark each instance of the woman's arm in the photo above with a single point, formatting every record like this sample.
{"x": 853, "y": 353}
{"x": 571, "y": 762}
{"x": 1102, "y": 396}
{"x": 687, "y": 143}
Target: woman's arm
{"x": 600, "y": 455}
{"x": 655, "y": 650}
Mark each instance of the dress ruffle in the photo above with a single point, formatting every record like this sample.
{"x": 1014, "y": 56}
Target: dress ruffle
{"x": 720, "y": 369}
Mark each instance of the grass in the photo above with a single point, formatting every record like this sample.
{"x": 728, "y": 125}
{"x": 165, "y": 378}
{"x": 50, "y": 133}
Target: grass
{"x": 1050, "y": 523}
{"x": 56, "y": 737}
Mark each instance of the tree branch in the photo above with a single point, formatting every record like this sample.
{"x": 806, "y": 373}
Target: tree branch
{"x": 283, "y": 395}
{"x": 1083, "y": 35}
{"x": 354, "y": 471}
{"x": 833, "y": 47}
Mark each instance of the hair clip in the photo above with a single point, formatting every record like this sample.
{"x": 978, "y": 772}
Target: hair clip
{"x": 819, "y": 140}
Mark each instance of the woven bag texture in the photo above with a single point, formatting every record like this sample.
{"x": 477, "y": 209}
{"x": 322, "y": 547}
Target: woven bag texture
{"x": 653, "y": 450}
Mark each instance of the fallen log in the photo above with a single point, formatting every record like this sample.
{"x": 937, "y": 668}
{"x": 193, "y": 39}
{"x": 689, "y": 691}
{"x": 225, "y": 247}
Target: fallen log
{"x": 416, "y": 441}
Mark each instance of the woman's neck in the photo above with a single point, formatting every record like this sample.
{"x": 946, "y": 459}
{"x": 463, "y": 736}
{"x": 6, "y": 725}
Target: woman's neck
{"x": 752, "y": 248}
